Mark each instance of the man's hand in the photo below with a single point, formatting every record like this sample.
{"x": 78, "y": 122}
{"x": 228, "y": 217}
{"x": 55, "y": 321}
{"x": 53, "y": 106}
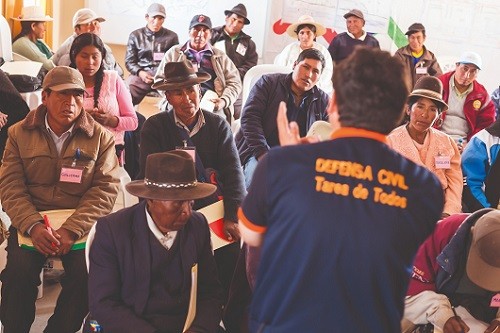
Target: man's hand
{"x": 455, "y": 325}
{"x": 3, "y": 119}
{"x": 67, "y": 239}
{"x": 145, "y": 77}
{"x": 219, "y": 103}
{"x": 231, "y": 230}
{"x": 44, "y": 242}
{"x": 494, "y": 327}
{"x": 289, "y": 133}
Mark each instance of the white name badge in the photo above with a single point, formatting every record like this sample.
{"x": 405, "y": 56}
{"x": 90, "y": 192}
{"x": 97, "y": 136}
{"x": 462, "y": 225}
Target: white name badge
{"x": 442, "y": 162}
{"x": 71, "y": 175}
{"x": 241, "y": 49}
{"x": 421, "y": 70}
{"x": 158, "y": 56}
{"x": 190, "y": 150}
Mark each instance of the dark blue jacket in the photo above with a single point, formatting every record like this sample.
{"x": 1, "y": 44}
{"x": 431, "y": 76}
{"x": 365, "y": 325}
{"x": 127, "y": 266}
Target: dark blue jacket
{"x": 120, "y": 274}
{"x": 259, "y": 131}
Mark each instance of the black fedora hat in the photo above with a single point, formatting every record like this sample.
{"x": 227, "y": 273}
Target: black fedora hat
{"x": 178, "y": 75}
{"x": 239, "y": 10}
{"x": 170, "y": 176}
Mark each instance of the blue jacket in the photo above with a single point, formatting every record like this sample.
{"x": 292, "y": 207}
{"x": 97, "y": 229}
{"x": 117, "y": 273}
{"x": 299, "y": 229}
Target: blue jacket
{"x": 259, "y": 131}
{"x": 479, "y": 156}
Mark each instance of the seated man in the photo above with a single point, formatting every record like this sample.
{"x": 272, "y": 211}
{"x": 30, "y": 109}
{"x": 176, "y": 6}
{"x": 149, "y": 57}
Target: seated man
{"x": 58, "y": 157}
{"x": 145, "y": 49}
{"x": 457, "y": 266}
{"x": 416, "y": 58}
{"x": 306, "y": 103}
{"x": 210, "y": 139}
{"x": 470, "y": 108}
{"x": 142, "y": 257}
{"x": 481, "y": 168}
{"x": 224, "y": 78}
{"x": 85, "y": 20}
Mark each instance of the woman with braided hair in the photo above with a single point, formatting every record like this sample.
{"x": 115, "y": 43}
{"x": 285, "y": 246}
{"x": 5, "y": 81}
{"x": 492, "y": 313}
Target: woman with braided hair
{"x": 107, "y": 97}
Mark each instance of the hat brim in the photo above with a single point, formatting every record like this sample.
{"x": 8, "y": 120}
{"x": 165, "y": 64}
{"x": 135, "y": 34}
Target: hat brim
{"x": 320, "y": 29}
{"x": 153, "y": 14}
{"x": 441, "y": 102}
{"x": 66, "y": 86}
{"x": 167, "y": 85}
{"x": 35, "y": 19}
{"x": 141, "y": 190}
{"x": 99, "y": 19}
{"x": 229, "y": 12}
{"x": 482, "y": 274}
{"x": 320, "y": 129}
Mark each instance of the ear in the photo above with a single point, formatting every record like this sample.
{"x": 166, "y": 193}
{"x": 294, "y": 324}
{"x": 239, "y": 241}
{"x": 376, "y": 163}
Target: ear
{"x": 333, "y": 112}
{"x": 45, "y": 95}
{"x": 294, "y": 64}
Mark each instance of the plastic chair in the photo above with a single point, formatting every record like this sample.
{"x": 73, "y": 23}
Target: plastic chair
{"x": 251, "y": 77}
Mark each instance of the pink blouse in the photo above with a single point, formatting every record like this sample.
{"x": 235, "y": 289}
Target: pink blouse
{"x": 436, "y": 144}
{"x": 114, "y": 98}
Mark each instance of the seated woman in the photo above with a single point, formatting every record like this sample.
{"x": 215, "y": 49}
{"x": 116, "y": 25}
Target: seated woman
{"x": 29, "y": 42}
{"x": 108, "y": 100}
{"x": 306, "y": 31}
{"x": 481, "y": 167}
{"x": 424, "y": 145}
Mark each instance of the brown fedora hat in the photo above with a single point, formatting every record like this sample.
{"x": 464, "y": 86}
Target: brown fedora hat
{"x": 239, "y": 10}
{"x": 170, "y": 176}
{"x": 178, "y": 75}
{"x": 429, "y": 87}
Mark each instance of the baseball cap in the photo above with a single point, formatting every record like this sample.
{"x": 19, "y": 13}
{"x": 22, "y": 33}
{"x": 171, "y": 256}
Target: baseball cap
{"x": 471, "y": 58}
{"x": 84, "y": 16}
{"x": 156, "y": 9}
{"x": 355, "y": 12}
{"x": 200, "y": 20}
{"x": 415, "y": 27}
{"x": 483, "y": 262}
{"x": 63, "y": 78}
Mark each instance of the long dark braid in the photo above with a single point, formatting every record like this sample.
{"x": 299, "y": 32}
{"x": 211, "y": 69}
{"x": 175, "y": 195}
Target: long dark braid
{"x": 79, "y": 43}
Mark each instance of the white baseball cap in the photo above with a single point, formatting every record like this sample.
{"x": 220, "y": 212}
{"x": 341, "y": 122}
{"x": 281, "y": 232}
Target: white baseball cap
{"x": 84, "y": 16}
{"x": 471, "y": 58}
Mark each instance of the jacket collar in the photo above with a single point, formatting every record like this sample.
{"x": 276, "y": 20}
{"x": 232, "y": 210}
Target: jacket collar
{"x": 36, "y": 119}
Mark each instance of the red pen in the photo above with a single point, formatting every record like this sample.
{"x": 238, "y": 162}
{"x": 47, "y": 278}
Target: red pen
{"x": 49, "y": 228}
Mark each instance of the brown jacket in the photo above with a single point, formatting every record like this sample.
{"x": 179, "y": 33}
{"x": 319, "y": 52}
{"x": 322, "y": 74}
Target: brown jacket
{"x": 29, "y": 175}
{"x": 428, "y": 60}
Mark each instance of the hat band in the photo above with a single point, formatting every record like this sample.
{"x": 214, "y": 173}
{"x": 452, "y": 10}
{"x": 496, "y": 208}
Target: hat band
{"x": 180, "y": 78}
{"x": 427, "y": 92}
{"x": 170, "y": 185}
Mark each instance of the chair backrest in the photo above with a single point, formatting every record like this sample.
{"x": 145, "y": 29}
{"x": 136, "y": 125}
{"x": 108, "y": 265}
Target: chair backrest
{"x": 251, "y": 77}
{"x": 5, "y": 40}
{"x": 90, "y": 239}
{"x": 255, "y": 73}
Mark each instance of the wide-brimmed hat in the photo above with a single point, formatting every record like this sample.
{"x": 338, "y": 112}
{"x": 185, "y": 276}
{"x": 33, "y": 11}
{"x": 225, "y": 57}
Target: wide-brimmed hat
{"x": 429, "y": 87}
{"x": 170, "y": 176}
{"x": 178, "y": 75}
{"x": 156, "y": 9}
{"x": 85, "y": 16}
{"x": 473, "y": 58}
{"x": 33, "y": 13}
{"x": 305, "y": 19}
{"x": 415, "y": 27}
{"x": 355, "y": 12}
{"x": 239, "y": 10}
{"x": 483, "y": 262}
{"x": 63, "y": 78}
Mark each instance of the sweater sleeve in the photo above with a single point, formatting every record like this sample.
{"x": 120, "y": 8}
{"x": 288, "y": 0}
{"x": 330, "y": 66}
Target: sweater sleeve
{"x": 475, "y": 167}
{"x": 454, "y": 177}
{"x": 127, "y": 118}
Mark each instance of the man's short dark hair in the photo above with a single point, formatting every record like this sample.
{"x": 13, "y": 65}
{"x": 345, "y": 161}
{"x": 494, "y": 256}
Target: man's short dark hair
{"x": 370, "y": 90}
{"x": 311, "y": 54}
